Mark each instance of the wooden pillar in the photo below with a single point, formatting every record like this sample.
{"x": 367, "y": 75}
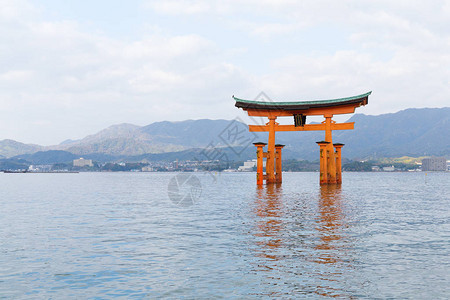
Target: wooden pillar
{"x": 259, "y": 163}
{"x": 323, "y": 162}
{"x": 278, "y": 165}
{"x": 331, "y": 161}
{"x": 270, "y": 163}
{"x": 338, "y": 148}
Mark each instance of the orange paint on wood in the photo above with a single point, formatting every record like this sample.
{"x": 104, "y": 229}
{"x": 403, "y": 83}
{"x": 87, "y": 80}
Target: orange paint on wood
{"x": 271, "y": 152}
{"x": 307, "y": 127}
{"x": 323, "y": 162}
{"x": 278, "y": 175}
{"x": 345, "y": 109}
{"x": 331, "y": 160}
{"x": 259, "y": 163}
{"x": 338, "y": 152}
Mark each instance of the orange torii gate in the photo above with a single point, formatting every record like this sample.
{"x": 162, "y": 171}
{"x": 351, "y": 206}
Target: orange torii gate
{"x": 330, "y": 154}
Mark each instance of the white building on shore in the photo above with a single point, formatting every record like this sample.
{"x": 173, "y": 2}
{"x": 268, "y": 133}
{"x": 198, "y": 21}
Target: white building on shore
{"x": 81, "y": 162}
{"x": 249, "y": 165}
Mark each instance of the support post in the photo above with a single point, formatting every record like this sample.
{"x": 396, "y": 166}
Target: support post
{"x": 259, "y": 163}
{"x": 338, "y": 147}
{"x": 331, "y": 161}
{"x": 323, "y": 162}
{"x": 270, "y": 163}
{"x": 278, "y": 168}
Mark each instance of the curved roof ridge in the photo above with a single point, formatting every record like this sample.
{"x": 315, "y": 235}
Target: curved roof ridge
{"x": 304, "y": 102}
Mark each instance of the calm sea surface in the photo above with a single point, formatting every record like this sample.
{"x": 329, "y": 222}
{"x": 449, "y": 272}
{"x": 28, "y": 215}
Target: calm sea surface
{"x": 112, "y": 235}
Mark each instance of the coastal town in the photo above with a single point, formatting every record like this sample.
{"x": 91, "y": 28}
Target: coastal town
{"x": 437, "y": 164}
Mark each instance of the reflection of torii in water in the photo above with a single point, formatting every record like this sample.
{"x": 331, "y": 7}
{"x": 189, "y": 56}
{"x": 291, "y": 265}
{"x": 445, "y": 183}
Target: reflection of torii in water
{"x": 332, "y": 245}
{"x": 322, "y": 257}
{"x": 329, "y": 223}
{"x": 269, "y": 211}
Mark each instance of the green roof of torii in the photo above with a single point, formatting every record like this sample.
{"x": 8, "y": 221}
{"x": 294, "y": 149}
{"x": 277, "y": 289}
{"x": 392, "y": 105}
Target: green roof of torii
{"x": 250, "y": 104}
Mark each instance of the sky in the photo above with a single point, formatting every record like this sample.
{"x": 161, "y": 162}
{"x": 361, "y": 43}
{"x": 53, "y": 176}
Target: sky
{"x": 71, "y": 68}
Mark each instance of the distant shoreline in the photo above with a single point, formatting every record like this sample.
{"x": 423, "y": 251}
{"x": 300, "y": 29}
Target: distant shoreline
{"x": 234, "y": 172}
{"x": 9, "y": 172}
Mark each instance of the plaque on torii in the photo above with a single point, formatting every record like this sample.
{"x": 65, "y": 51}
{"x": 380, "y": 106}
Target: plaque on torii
{"x": 330, "y": 154}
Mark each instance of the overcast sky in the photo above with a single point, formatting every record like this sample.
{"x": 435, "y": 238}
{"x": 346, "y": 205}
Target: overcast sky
{"x": 72, "y": 68}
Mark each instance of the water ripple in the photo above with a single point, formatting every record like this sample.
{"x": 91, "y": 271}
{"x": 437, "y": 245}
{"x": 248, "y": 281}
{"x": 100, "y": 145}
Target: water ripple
{"x": 97, "y": 235}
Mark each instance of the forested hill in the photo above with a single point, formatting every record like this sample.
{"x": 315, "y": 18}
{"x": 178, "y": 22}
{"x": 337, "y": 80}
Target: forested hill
{"x": 412, "y": 132}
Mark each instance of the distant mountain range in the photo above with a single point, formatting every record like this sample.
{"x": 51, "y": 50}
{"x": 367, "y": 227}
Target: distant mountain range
{"x": 410, "y": 132}
{"x": 413, "y": 132}
{"x": 9, "y": 148}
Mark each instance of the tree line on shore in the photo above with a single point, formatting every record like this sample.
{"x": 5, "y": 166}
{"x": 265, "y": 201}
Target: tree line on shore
{"x": 289, "y": 165}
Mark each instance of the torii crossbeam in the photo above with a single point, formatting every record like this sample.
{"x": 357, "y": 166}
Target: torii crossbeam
{"x": 330, "y": 154}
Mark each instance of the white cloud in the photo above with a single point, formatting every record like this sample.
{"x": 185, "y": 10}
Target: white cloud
{"x": 57, "y": 70}
{"x": 409, "y": 79}
{"x": 16, "y": 76}
{"x": 81, "y": 80}
{"x": 180, "y": 7}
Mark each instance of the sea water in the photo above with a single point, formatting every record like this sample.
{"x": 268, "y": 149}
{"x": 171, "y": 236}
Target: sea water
{"x": 217, "y": 235}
